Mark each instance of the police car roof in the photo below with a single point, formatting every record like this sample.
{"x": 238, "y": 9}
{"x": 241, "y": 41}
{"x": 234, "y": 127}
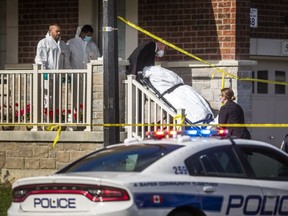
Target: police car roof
{"x": 205, "y": 142}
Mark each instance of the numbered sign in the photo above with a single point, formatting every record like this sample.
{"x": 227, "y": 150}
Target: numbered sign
{"x": 284, "y": 49}
{"x": 253, "y": 17}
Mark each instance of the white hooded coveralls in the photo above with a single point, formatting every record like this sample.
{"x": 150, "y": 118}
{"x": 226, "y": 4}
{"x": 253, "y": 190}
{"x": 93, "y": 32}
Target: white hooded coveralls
{"x": 81, "y": 52}
{"x": 52, "y": 55}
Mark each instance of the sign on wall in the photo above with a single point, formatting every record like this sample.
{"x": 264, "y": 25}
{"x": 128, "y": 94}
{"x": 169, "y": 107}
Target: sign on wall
{"x": 253, "y": 17}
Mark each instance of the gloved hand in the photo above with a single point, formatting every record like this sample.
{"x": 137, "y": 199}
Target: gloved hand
{"x": 43, "y": 67}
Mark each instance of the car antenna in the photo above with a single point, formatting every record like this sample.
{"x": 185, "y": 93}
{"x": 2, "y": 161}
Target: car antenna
{"x": 231, "y": 138}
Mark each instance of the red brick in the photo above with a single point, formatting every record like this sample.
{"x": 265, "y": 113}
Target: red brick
{"x": 34, "y": 19}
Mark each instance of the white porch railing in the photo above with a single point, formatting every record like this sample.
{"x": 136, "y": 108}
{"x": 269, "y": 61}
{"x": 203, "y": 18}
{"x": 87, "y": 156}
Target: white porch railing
{"x": 145, "y": 111}
{"x": 46, "y": 97}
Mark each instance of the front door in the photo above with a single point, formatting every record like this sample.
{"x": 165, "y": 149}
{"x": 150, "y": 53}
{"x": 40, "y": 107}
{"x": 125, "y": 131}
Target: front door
{"x": 270, "y": 102}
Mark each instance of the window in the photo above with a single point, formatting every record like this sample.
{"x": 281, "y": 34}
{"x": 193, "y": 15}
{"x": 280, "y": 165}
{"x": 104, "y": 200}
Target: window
{"x": 266, "y": 163}
{"x": 133, "y": 158}
{"x": 262, "y": 88}
{"x": 220, "y": 161}
{"x": 253, "y": 83}
{"x": 280, "y": 76}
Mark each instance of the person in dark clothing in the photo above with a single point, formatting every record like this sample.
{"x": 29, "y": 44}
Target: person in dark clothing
{"x": 144, "y": 56}
{"x": 232, "y": 113}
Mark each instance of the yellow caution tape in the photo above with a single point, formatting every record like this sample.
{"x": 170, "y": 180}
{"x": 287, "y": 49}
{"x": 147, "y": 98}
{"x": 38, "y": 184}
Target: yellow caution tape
{"x": 223, "y": 81}
{"x": 182, "y": 117}
{"x": 50, "y": 128}
{"x": 56, "y": 139}
{"x": 173, "y": 46}
{"x": 276, "y": 125}
{"x": 224, "y": 73}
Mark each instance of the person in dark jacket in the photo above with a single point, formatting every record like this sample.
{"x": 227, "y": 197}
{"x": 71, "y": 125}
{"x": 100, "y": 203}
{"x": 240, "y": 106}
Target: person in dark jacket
{"x": 144, "y": 56}
{"x": 232, "y": 113}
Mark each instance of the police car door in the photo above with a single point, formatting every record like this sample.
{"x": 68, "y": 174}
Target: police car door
{"x": 270, "y": 168}
{"x": 222, "y": 182}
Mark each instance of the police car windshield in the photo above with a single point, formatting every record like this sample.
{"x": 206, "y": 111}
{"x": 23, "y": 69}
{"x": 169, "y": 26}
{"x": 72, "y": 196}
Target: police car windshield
{"x": 131, "y": 158}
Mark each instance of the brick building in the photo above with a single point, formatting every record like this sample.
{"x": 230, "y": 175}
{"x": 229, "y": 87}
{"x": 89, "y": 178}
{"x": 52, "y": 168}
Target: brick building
{"x": 210, "y": 29}
{"x": 247, "y": 38}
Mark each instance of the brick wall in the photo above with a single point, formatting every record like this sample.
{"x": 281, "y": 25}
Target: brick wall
{"x": 29, "y": 153}
{"x": 242, "y": 30}
{"x": 271, "y": 19}
{"x": 34, "y": 19}
{"x": 209, "y": 29}
{"x": 25, "y": 159}
{"x": 205, "y": 28}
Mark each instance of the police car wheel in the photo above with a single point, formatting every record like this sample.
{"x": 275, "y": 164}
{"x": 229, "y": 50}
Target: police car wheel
{"x": 181, "y": 213}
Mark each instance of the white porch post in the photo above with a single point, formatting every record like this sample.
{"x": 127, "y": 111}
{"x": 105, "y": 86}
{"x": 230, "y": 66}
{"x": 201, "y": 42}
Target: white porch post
{"x": 130, "y": 113}
{"x": 89, "y": 96}
{"x": 36, "y": 98}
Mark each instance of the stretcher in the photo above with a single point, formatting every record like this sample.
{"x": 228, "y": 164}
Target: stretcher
{"x": 170, "y": 88}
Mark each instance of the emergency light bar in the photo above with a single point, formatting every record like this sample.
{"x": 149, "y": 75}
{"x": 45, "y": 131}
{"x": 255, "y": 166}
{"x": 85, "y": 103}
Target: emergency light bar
{"x": 192, "y": 133}
{"x": 161, "y": 134}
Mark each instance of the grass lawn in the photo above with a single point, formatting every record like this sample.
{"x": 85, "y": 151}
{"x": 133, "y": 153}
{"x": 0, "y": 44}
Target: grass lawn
{"x": 5, "y": 199}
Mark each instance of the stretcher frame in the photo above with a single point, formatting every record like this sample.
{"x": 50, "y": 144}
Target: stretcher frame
{"x": 145, "y": 81}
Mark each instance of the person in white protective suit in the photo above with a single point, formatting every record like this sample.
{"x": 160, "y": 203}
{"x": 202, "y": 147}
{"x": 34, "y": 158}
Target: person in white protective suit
{"x": 52, "y": 54}
{"x": 82, "y": 49}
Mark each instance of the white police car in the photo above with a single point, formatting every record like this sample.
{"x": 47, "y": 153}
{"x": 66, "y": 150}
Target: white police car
{"x": 180, "y": 176}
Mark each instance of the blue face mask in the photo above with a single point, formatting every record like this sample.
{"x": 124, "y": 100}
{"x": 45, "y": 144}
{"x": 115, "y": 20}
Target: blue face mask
{"x": 87, "y": 38}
